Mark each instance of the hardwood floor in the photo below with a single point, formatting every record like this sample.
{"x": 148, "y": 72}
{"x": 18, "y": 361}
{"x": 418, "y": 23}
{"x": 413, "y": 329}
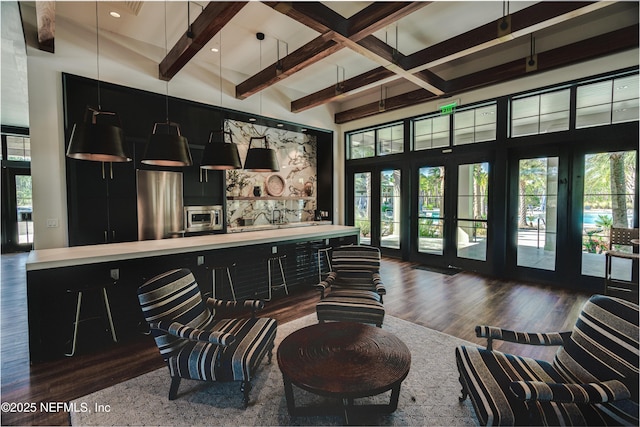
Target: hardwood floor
{"x": 450, "y": 304}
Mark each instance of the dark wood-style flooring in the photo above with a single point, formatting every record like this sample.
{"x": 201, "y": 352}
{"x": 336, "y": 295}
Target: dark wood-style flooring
{"x": 450, "y": 304}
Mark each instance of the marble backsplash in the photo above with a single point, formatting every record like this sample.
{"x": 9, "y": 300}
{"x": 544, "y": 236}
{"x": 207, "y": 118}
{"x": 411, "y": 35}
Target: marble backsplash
{"x": 286, "y": 196}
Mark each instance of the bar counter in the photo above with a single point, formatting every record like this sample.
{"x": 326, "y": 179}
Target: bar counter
{"x": 54, "y": 277}
{"x": 81, "y": 255}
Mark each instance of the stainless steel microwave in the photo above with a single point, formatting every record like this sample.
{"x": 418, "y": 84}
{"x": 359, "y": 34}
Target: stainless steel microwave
{"x": 202, "y": 218}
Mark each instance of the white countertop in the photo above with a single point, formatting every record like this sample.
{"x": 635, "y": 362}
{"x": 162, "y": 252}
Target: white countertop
{"x": 81, "y": 255}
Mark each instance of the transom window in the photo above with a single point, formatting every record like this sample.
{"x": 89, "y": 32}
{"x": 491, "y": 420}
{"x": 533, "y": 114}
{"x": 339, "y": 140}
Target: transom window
{"x": 540, "y": 113}
{"x": 607, "y": 102}
{"x": 431, "y": 132}
{"x": 474, "y": 125}
{"x": 381, "y": 141}
{"x": 18, "y": 147}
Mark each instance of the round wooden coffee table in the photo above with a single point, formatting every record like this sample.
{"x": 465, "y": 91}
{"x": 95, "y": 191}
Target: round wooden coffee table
{"x": 346, "y": 361}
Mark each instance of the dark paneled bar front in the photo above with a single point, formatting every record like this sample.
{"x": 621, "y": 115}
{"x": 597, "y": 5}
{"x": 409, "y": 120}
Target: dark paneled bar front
{"x": 53, "y": 273}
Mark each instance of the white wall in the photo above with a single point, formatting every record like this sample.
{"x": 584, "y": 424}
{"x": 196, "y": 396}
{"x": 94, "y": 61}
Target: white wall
{"x": 119, "y": 64}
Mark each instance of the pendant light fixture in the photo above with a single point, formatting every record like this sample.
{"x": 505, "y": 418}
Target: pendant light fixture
{"x": 261, "y": 159}
{"x": 166, "y": 145}
{"x": 219, "y": 154}
{"x": 99, "y": 137}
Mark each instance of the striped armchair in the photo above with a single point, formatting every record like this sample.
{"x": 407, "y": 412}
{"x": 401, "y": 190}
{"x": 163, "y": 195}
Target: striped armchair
{"x": 355, "y": 287}
{"x": 593, "y": 379}
{"x": 194, "y": 344}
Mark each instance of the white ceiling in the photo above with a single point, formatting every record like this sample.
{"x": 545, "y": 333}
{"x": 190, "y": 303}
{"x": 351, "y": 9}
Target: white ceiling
{"x": 143, "y": 23}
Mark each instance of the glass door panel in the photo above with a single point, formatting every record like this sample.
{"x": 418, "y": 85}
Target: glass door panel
{"x": 390, "y": 212}
{"x": 24, "y": 210}
{"x": 609, "y": 188}
{"x": 472, "y": 225}
{"x": 362, "y": 205}
{"x": 431, "y": 210}
{"x": 537, "y": 212}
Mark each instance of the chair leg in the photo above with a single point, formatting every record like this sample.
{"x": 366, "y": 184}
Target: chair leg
{"x": 233, "y": 291}
{"x": 75, "y": 325}
{"x": 284, "y": 279}
{"x": 108, "y": 307}
{"x": 245, "y": 388}
{"x": 270, "y": 353}
{"x": 173, "y": 389}
{"x": 269, "y": 275}
{"x": 463, "y": 392}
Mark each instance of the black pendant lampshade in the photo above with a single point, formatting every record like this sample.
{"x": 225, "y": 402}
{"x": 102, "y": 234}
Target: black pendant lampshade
{"x": 99, "y": 138}
{"x": 219, "y": 154}
{"x": 261, "y": 159}
{"x": 166, "y": 147}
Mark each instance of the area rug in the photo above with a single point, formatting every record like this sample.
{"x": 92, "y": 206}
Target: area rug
{"x": 428, "y": 397}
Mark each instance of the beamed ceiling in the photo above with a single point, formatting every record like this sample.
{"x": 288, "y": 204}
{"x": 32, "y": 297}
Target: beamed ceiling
{"x": 364, "y": 57}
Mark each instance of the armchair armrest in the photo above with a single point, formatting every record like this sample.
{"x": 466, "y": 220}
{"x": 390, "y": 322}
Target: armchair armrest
{"x": 518, "y": 337}
{"x": 193, "y": 334}
{"x": 377, "y": 281}
{"x": 599, "y": 392}
{"x": 326, "y": 283}
{"x": 250, "y": 304}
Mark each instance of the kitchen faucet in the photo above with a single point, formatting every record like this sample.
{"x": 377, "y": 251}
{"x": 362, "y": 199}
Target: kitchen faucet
{"x": 273, "y": 216}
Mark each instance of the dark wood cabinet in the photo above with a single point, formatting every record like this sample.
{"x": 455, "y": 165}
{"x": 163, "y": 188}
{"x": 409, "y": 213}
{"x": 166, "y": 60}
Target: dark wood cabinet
{"x": 202, "y": 187}
{"x": 102, "y": 202}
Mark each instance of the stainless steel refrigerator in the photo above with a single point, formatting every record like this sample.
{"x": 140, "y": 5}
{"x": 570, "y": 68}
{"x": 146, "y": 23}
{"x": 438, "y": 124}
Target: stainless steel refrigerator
{"x": 160, "y": 204}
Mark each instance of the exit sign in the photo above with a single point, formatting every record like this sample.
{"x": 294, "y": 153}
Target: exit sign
{"x": 449, "y": 107}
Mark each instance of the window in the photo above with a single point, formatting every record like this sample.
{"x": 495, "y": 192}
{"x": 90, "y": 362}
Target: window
{"x": 475, "y": 125}
{"x": 542, "y": 113}
{"x": 390, "y": 212}
{"x": 391, "y": 140}
{"x": 607, "y": 102}
{"x": 431, "y": 132}
{"x": 18, "y": 148}
{"x": 362, "y": 145}
{"x": 376, "y": 142}
{"x": 362, "y": 205}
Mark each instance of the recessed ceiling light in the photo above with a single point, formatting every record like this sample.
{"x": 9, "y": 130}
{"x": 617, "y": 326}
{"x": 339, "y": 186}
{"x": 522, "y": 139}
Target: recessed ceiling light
{"x": 114, "y": 14}
{"x": 214, "y": 49}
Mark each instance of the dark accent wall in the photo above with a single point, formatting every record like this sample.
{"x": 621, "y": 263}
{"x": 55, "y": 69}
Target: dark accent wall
{"x": 101, "y": 205}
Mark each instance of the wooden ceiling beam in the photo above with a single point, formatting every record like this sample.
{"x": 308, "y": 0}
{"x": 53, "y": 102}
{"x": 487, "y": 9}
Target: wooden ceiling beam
{"x": 309, "y": 54}
{"x": 605, "y": 44}
{"x": 340, "y": 89}
{"x": 522, "y": 23}
{"x": 344, "y": 33}
{"x": 379, "y": 15}
{"x": 314, "y": 15}
{"x": 212, "y": 19}
{"x": 46, "y": 23}
{"x": 594, "y": 47}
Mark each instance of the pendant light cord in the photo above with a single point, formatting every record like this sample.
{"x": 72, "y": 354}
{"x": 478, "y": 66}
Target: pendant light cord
{"x": 166, "y": 98}
{"x": 220, "y": 66}
{"x": 98, "y": 54}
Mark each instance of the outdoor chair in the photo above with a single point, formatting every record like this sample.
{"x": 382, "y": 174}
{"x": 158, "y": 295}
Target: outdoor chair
{"x": 194, "y": 344}
{"x": 354, "y": 285}
{"x": 593, "y": 379}
{"x": 620, "y": 237}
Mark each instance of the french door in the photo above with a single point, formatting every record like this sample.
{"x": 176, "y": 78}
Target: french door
{"x": 561, "y": 208}
{"x": 453, "y": 218}
{"x": 379, "y": 206}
